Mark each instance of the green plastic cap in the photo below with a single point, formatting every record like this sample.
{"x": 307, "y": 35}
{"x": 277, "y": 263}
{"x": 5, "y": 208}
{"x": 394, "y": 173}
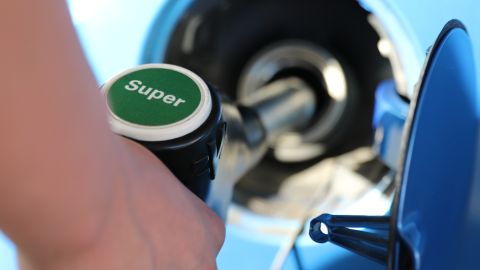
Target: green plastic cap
{"x": 157, "y": 102}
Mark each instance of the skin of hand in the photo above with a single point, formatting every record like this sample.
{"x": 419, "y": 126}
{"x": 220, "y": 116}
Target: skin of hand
{"x": 153, "y": 222}
{"x": 72, "y": 194}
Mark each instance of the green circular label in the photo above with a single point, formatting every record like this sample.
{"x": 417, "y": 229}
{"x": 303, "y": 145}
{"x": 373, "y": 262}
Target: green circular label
{"x": 154, "y": 97}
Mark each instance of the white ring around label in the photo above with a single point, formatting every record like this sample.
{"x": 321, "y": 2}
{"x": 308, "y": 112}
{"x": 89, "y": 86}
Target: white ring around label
{"x": 164, "y": 132}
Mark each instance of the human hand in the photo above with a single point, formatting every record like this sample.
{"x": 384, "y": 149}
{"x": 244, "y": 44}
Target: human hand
{"x": 153, "y": 222}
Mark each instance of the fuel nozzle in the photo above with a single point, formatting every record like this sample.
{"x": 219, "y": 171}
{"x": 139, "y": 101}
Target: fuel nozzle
{"x": 183, "y": 121}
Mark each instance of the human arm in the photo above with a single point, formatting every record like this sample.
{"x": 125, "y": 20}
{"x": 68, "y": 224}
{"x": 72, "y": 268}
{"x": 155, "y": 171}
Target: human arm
{"x": 70, "y": 190}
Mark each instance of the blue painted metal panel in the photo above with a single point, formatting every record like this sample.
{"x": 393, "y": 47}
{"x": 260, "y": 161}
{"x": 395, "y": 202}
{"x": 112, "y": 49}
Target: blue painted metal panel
{"x": 435, "y": 210}
{"x": 245, "y": 249}
{"x": 113, "y": 32}
{"x": 8, "y": 258}
{"x": 161, "y": 28}
{"x": 424, "y": 19}
{"x": 314, "y": 256}
{"x": 389, "y": 117}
